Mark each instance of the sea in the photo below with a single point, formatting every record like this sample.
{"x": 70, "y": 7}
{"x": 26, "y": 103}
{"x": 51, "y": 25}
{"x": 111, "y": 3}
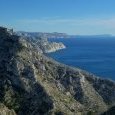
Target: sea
{"x": 93, "y": 54}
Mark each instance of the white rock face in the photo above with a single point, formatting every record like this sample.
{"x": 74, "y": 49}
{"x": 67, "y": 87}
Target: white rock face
{"x": 52, "y": 47}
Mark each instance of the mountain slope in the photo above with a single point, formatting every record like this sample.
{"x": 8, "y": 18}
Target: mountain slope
{"x": 33, "y": 84}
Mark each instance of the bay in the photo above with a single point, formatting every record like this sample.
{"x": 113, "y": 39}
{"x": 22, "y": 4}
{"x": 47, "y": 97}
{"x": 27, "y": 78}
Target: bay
{"x": 95, "y": 55}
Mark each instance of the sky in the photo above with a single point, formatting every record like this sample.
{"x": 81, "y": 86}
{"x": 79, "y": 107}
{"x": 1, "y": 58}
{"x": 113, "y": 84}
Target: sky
{"x": 81, "y": 17}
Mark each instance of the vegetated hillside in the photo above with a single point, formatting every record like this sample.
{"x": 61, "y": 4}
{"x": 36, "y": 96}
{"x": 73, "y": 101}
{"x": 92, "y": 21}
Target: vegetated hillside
{"x": 33, "y": 84}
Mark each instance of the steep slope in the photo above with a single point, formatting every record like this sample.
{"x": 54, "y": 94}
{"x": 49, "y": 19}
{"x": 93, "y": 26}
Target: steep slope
{"x": 19, "y": 89}
{"x": 33, "y": 84}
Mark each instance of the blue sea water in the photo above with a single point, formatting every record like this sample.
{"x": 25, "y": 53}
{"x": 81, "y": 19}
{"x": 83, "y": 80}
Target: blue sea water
{"x": 96, "y": 55}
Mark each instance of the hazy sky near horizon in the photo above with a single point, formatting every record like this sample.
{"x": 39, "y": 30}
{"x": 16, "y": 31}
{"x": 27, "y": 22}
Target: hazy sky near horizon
{"x": 83, "y": 17}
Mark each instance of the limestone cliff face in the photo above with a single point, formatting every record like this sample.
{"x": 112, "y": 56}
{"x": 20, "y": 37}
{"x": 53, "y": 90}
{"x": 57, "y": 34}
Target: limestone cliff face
{"x": 42, "y": 42}
{"x": 33, "y": 84}
{"x": 48, "y": 47}
{"x": 53, "y": 47}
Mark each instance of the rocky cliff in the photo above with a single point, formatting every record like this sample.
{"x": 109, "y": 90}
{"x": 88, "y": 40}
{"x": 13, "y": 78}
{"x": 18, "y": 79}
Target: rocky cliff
{"x": 40, "y": 39}
{"x": 33, "y": 84}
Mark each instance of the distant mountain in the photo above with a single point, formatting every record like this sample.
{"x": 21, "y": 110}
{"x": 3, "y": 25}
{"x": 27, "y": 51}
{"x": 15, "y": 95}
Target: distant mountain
{"x": 62, "y": 35}
{"x": 33, "y": 84}
{"x": 43, "y": 34}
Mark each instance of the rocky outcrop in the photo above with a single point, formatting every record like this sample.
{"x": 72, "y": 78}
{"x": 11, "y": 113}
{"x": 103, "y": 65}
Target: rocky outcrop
{"x": 33, "y": 84}
{"x": 53, "y": 47}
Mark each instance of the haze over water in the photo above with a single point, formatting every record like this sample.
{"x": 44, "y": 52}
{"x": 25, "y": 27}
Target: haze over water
{"x": 96, "y": 55}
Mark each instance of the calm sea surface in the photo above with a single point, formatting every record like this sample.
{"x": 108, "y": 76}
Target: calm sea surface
{"x": 96, "y": 55}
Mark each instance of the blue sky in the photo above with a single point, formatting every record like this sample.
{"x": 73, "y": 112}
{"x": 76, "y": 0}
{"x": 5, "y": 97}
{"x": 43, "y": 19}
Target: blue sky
{"x": 68, "y": 16}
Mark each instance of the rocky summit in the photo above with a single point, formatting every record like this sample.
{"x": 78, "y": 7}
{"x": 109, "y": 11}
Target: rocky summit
{"x": 34, "y": 84}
